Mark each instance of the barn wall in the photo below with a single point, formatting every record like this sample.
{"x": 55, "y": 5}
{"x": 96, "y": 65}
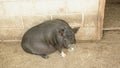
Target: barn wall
{"x": 17, "y": 16}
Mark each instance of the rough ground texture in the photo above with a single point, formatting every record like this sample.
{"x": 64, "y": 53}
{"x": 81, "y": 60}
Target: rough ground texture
{"x": 95, "y": 54}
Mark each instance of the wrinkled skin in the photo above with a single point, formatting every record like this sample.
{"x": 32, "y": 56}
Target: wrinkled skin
{"x": 48, "y": 37}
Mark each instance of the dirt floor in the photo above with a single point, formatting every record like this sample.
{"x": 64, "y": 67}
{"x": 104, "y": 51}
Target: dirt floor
{"x": 94, "y": 54}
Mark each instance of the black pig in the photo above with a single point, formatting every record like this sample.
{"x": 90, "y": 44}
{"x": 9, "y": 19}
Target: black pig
{"x": 48, "y": 37}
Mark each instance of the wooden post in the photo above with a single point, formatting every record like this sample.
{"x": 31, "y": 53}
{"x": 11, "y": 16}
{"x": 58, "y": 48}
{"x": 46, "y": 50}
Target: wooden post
{"x": 100, "y": 18}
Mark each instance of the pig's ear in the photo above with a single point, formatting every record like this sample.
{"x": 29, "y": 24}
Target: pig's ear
{"x": 75, "y": 29}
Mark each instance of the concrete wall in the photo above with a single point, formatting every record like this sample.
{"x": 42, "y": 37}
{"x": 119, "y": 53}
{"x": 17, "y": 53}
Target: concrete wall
{"x": 17, "y": 16}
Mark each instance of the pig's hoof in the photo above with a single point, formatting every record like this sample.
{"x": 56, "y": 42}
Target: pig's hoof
{"x": 45, "y": 56}
{"x": 63, "y": 54}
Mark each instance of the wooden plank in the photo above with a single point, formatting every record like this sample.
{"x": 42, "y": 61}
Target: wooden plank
{"x": 100, "y": 18}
